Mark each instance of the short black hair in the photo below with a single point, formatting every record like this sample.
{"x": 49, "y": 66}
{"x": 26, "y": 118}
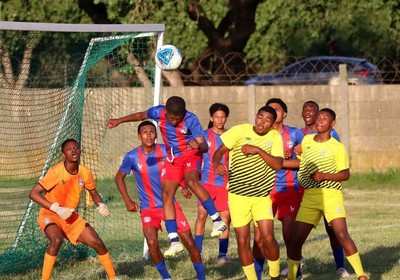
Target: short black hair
{"x": 312, "y": 103}
{"x": 277, "y": 101}
{"x": 329, "y": 111}
{"x": 268, "y": 109}
{"x": 176, "y": 106}
{"x": 217, "y": 107}
{"x": 144, "y": 123}
{"x": 67, "y": 141}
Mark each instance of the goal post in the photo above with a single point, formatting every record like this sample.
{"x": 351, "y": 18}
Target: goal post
{"x": 115, "y": 75}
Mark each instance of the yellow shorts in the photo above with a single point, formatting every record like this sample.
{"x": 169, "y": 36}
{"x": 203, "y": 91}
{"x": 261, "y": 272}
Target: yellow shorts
{"x": 245, "y": 209}
{"x": 321, "y": 202}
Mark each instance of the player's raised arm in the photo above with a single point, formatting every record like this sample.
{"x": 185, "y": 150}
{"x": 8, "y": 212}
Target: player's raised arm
{"x": 120, "y": 181}
{"x": 138, "y": 116}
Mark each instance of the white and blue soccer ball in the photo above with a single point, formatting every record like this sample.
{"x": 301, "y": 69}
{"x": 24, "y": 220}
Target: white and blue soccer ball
{"x": 168, "y": 57}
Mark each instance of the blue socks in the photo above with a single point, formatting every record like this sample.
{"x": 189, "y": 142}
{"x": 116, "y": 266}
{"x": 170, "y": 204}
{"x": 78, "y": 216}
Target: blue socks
{"x": 339, "y": 257}
{"x": 198, "y": 240}
{"x": 200, "y": 270}
{"x": 172, "y": 229}
{"x": 223, "y": 247}
{"x": 211, "y": 210}
{"x": 259, "y": 266}
{"x": 162, "y": 269}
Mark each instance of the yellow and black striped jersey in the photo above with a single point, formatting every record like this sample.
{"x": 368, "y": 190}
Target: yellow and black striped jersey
{"x": 251, "y": 175}
{"x": 327, "y": 157}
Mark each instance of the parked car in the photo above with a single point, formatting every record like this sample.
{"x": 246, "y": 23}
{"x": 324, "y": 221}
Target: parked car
{"x": 321, "y": 70}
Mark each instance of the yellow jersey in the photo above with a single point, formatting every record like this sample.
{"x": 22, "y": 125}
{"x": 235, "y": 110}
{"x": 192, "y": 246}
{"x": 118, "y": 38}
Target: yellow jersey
{"x": 251, "y": 175}
{"x": 327, "y": 157}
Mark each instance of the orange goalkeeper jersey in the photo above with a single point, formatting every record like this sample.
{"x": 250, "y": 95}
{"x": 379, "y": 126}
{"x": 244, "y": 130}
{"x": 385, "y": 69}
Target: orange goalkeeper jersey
{"x": 65, "y": 188}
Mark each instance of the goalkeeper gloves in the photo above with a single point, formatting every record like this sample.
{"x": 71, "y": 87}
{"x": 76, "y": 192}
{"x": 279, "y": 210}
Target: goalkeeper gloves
{"x": 63, "y": 212}
{"x": 103, "y": 209}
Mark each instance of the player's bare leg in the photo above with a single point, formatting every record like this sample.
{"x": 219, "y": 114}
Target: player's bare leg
{"x": 192, "y": 180}
{"x": 195, "y": 255}
{"x": 151, "y": 235}
{"x": 287, "y": 230}
{"x": 56, "y": 238}
{"x": 199, "y": 227}
{"x": 244, "y": 251}
{"x": 337, "y": 251}
{"x": 340, "y": 228}
{"x": 258, "y": 254}
{"x": 90, "y": 238}
{"x": 295, "y": 247}
{"x": 269, "y": 247}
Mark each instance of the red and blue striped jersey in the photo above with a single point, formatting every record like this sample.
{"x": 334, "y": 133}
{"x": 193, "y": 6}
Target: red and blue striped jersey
{"x": 286, "y": 179}
{"x": 176, "y": 138}
{"x": 147, "y": 168}
{"x": 307, "y": 131}
{"x": 208, "y": 175}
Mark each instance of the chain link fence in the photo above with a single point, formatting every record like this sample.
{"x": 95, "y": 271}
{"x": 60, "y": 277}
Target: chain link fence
{"x": 234, "y": 69}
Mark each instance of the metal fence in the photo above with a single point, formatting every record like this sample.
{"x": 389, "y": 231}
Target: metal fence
{"x": 235, "y": 69}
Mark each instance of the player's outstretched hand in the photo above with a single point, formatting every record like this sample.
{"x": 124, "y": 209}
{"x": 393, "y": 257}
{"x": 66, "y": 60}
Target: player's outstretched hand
{"x": 103, "y": 209}
{"x": 318, "y": 176}
{"x": 248, "y": 149}
{"x": 113, "y": 123}
{"x": 63, "y": 212}
{"x": 131, "y": 206}
{"x": 186, "y": 192}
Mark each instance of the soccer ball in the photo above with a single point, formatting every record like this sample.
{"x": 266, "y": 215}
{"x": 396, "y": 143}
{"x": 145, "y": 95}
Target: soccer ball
{"x": 168, "y": 57}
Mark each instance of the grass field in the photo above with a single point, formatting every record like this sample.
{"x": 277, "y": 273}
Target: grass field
{"x": 372, "y": 203}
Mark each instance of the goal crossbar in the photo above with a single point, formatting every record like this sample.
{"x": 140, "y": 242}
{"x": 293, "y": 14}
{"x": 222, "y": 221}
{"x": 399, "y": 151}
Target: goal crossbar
{"x": 70, "y": 27}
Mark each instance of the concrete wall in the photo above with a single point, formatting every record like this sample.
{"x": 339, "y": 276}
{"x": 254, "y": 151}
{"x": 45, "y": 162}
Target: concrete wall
{"x": 367, "y": 120}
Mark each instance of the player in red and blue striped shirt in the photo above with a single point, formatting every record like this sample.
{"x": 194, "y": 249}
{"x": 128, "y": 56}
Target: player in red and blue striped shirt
{"x": 216, "y": 185}
{"x": 147, "y": 163}
{"x": 182, "y": 134}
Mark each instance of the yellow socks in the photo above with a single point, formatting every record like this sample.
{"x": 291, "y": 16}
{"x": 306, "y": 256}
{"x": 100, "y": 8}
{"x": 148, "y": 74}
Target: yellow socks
{"x": 48, "y": 264}
{"x": 274, "y": 269}
{"x": 250, "y": 272}
{"x": 355, "y": 262}
{"x": 106, "y": 261}
{"x": 293, "y": 266}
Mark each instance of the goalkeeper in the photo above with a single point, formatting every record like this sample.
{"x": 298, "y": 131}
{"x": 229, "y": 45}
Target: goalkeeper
{"x": 58, "y": 194}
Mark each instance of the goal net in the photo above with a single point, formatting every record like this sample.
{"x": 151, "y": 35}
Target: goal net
{"x": 60, "y": 81}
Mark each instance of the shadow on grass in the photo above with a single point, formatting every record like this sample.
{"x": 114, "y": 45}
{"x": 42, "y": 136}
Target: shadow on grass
{"x": 132, "y": 269}
{"x": 381, "y": 260}
{"x": 376, "y": 263}
{"x": 229, "y": 270}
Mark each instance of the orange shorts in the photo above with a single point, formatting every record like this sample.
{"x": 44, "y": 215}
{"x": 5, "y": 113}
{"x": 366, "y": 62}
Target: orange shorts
{"x": 72, "y": 227}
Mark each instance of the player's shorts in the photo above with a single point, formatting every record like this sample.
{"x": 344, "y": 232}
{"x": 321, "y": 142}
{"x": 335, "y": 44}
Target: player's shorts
{"x": 72, "y": 227}
{"x": 286, "y": 204}
{"x": 321, "y": 202}
{"x": 152, "y": 217}
{"x": 245, "y": 209}
{"x": 219, "y": 195}
{"x": 187, "y": 162}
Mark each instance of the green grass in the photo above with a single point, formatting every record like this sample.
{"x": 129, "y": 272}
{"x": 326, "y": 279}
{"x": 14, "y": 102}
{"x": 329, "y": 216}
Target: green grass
{"x": 372, "y": 208}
